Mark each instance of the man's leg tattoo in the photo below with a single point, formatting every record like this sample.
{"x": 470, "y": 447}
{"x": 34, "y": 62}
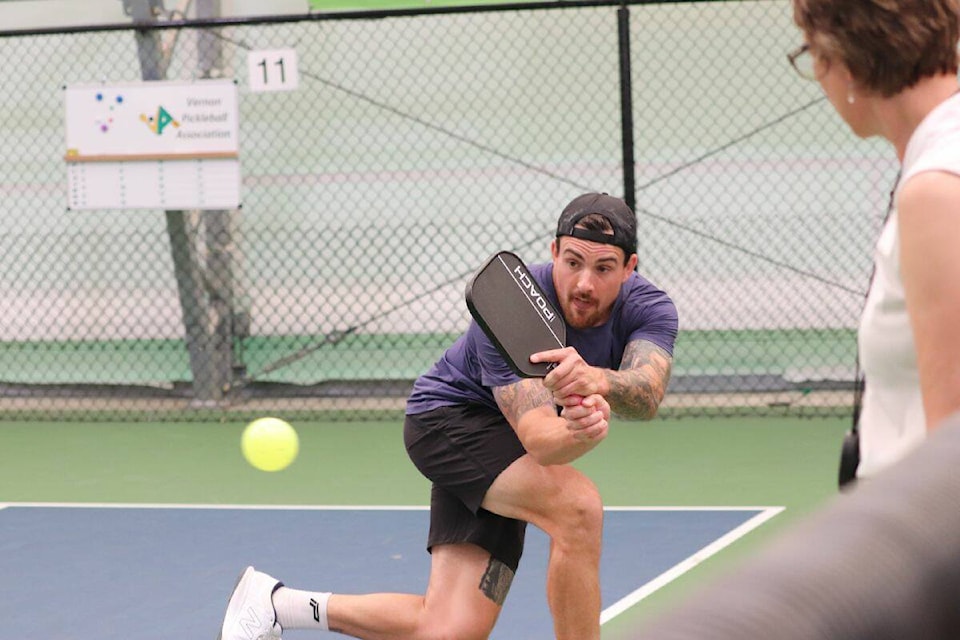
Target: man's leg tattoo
{"x": 496, "y": 581}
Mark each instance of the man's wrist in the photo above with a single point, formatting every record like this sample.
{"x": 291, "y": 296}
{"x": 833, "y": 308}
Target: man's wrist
{"x": 606, "y": 383}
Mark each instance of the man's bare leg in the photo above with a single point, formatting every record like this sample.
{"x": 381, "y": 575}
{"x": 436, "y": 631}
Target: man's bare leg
{"x": 566, "y": 505}
{"x": 459, "y": 602}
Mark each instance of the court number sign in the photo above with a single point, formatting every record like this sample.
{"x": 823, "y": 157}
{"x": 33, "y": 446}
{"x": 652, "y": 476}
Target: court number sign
{"x": 273, "y": 70}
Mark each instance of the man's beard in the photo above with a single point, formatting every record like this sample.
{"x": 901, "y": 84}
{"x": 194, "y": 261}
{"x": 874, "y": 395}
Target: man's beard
{"x": 582, "y": 317}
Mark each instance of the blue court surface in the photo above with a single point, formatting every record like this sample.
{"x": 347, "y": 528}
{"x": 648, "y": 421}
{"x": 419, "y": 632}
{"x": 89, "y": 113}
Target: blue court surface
{"x": 158, "y": 572}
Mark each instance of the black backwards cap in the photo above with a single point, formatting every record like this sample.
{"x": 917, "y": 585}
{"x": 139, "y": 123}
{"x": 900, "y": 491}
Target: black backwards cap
{"x": 618, "y": 214}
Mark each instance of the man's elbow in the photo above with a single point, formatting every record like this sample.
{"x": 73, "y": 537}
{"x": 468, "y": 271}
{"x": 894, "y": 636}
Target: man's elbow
{"x": 548, "y": 453}
{"x": 547, "y": 456}
{"x": 551, "y": 458}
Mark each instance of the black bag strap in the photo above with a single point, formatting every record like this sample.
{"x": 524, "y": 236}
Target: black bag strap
{"x": 859, "y": 384}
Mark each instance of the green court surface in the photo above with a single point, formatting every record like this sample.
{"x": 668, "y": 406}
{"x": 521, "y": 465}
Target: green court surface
{"x": 693, "y": 462}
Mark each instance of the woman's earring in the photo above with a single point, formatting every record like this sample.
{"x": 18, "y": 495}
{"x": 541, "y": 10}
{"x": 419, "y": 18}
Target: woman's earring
{"x": 850, "y": 97}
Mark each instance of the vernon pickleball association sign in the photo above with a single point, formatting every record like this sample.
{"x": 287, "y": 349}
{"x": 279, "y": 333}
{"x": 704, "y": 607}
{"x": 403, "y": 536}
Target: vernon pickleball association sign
{"x": 151, "y": 120}
{"x": 146, "y": 145}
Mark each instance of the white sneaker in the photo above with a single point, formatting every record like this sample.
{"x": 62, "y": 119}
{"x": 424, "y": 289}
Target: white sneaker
{"x": 250, "y": 613}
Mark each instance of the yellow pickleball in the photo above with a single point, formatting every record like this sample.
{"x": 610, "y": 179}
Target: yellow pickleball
{"x": 270, "y": 444}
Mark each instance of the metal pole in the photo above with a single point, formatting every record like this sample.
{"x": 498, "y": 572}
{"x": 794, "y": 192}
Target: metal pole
{"x": 626, "y": 108}
{"x": 219, "y": 230}
{"x": 193, "y": 303}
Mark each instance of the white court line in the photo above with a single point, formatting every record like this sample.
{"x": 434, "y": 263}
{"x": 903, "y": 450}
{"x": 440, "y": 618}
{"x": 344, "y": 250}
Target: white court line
{"x": 717, "y": 508}
{"x": 251, "y": 507}
{"x": 689, "y": 563}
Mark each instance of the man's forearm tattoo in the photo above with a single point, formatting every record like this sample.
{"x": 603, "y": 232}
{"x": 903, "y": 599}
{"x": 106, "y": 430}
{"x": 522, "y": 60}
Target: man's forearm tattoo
{"x": 516, "y": 399}
{"x": 496, "y": 581}
{"x": 637, "y": 389}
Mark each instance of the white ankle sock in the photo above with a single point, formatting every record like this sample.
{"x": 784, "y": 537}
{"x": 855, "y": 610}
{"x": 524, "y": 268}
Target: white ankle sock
{"x": 301, "y": 609}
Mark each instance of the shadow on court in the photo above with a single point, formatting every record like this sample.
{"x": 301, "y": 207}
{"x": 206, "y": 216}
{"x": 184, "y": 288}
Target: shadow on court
{"x": 155, "y": 572}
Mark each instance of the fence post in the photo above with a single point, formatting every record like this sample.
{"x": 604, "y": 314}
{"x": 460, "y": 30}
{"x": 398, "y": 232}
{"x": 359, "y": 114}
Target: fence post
{"x": 626, "y": 107}
{"x": 227, "y": 323}
{"x": 194, "y": 307}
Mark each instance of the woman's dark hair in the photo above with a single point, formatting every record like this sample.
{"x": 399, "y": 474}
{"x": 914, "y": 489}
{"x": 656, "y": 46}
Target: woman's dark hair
{"x": 888, "y": 45}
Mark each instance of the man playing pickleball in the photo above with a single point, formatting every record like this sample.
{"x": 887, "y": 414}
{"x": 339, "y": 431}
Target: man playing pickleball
{"x": 498, "y": 453}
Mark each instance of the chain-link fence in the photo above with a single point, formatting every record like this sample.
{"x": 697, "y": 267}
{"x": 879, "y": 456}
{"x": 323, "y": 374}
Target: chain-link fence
{"x": 414, "y": 146}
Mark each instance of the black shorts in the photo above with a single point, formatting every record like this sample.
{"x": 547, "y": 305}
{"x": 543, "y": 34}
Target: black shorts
{"x": 461, "y": 450}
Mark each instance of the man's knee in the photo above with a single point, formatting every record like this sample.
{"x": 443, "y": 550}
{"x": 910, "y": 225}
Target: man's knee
{"x": 580, "y": 512}
{"x": 588, "y": 510}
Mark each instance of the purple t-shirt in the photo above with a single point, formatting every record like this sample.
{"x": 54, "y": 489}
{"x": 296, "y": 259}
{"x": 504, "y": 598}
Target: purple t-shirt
{"x": 471, "y": 366}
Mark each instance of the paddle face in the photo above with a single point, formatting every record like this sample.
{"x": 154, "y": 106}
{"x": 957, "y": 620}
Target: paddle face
{"x": 515, "y": 314}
